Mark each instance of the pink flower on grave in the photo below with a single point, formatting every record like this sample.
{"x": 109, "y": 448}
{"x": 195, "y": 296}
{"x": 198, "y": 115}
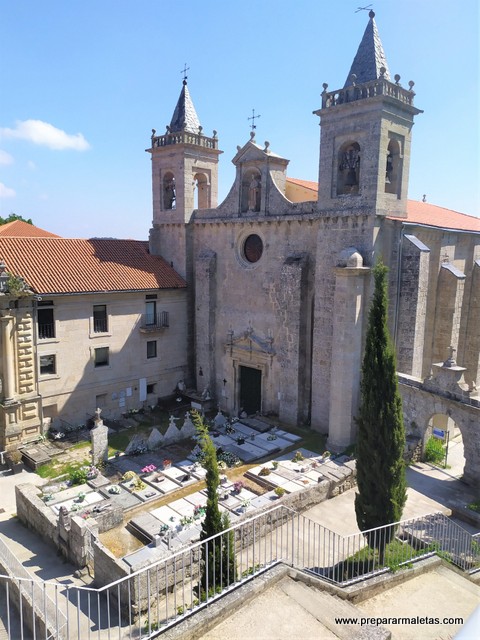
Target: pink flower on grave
{"x": 149, "y": 468}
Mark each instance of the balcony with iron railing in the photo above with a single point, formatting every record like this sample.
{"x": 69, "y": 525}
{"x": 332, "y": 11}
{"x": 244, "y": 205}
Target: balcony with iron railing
{"x": 154, "y": 321}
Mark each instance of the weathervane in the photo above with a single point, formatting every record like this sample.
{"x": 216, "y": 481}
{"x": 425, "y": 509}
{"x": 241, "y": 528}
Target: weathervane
{"x": 363, "y": 8}
{"x": 253, "y": 126}
{"x": 184, "y": 71}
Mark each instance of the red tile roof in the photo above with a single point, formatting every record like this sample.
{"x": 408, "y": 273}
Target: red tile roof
{"x": 422, "y": 213}
{"x": 25, "y": 230}
{"x": 61, "y": 265}
{"x": 307, "y": 184}
{"x": 429, "y": 214}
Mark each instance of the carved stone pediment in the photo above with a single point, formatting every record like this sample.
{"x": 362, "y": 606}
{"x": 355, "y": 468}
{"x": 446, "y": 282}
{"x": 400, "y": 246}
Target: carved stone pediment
{"x": 250, "y": 342}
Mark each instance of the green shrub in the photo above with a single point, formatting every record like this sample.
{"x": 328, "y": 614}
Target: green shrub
{"x": 78, "y": 476}
{"x": 434, "y": 451}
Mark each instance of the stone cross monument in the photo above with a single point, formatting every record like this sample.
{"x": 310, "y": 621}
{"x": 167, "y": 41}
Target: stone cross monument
{"x": 99, "y": 436}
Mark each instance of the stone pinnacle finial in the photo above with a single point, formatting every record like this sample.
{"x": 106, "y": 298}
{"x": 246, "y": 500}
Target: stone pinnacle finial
{"x": 371, "y": 14}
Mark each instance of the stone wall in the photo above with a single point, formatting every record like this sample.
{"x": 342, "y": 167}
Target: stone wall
{"x": 35, "y": 514}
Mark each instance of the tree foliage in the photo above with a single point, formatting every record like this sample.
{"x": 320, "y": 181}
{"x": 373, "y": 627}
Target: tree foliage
{"x": 218, "y": 567}
{"x": 381, "y": 436}
{"x": 12, "y": 217}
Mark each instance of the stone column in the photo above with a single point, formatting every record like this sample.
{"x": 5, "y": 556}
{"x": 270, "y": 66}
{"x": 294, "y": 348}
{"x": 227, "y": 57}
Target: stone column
{"x": 346, "y": 362}
{"x": 292, "y": 310}
{"x": 205, "y": 304}
{"x": 412, "y": 306}
{"x": 8, "y": 359}
{"x": 451, "y": 282}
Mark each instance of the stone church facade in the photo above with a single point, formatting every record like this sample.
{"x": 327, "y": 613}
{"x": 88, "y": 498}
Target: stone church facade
{"x": 279, "y": 273}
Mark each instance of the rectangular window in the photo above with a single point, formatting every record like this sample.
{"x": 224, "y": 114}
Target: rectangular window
{"x": 48, "y": 365}
{"x": 150, "y": 389}
{"x": 46, "y": 324}
{"x": 101, "y": 357}
{"x": 152, "y": 349}
{"x": 100, "y": 323}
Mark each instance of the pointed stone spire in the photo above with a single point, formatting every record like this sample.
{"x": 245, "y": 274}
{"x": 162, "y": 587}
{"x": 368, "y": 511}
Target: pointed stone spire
{"x": 370, "y": 57}
{"x": 185, "y": 117}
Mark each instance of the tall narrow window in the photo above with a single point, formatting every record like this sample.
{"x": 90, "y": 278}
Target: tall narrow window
{"x": 45, "y": 320}
{"x": 150, "y": 312}
{"x": 100, "y": 322}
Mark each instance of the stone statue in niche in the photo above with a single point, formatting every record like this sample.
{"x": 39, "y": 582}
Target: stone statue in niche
{"x": 254, "y": 194}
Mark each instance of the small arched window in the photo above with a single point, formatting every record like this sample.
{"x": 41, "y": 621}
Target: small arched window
{"x": 169, "y": 191}
{"x": 251, "y": 191}
{"x": 348, "y": 176}
{"x": 202, "y": 191}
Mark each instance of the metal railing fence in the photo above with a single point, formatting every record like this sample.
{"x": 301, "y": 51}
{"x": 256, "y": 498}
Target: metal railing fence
{"x": 152, "y": 599}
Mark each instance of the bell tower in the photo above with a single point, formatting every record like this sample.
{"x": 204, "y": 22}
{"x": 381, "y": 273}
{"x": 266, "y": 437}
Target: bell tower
{"x": 366, "y": 135}
{"x": 184, "y": 178}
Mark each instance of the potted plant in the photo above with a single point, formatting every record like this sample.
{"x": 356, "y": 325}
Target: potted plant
{"x": 279, "y": 492}
{"x": 14, "y": 461}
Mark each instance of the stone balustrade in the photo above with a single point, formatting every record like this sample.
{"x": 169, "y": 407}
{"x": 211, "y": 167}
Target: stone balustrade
{"x": 184, "y": 137}
{"x": 380, "y": 87}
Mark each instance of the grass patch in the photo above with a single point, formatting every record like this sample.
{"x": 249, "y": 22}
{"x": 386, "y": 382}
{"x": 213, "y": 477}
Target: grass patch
{"x": 474, "y": 506}
{"x": 55, "y": 469}
{"x": 398, "y": 555}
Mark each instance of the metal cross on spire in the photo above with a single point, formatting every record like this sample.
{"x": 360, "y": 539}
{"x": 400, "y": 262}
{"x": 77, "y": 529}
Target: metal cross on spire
{"x": 253, "y": 126}
{"x": 184, "y": 71}
{"x": 363, "y": 8}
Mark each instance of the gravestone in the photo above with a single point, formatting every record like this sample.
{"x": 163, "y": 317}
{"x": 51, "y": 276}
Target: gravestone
{"x": 155, "y": 439}
{"x": 99, "y": 436}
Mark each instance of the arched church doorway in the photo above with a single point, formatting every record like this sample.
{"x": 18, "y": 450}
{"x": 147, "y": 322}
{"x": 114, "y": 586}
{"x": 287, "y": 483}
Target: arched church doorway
{"x": 445, "y": 430}
{"x": 250, "y": 390}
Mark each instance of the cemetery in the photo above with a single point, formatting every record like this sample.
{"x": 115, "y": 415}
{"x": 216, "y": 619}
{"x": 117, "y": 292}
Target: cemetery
{"x": 137, "y": 507}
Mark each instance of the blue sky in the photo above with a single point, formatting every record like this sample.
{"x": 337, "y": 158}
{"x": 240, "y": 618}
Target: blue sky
{"x": 84, "y": 82}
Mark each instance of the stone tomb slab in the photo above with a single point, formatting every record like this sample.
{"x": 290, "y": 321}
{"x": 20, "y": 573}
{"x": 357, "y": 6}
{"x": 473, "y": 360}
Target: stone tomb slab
{"x": 164, "y": 485}
{"x": 99, "y": 481}
{"x": 149, "y": 493}
{"x": 175, "y": 474}
{"x": 148, "y": 525}
{"x": 253, "y": 451}
{"x": 222, "y": 441}
{"x": 243, "y": 429}
{"x": 267, "y": 499}
{"x": 182, "y": 506}
{"x": 69, "y": 493}
{"x": 291, "y": 437}
{"x": 124, "y": 499}
{"x": 272, "y": 445}
{"x": 90, "y": 498}
{"x": 197, "y": 498}
{"x": 244, "y": 454}
{"x": 194, "y": 468}
{"x": 292, "y": 486}
{"x": 257, "y": 424}
{"x": 125, "y": 463}
{"x": 165, "y": 514}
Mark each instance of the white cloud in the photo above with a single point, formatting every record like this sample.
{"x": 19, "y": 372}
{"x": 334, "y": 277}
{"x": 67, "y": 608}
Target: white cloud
{"x": 5, "y": 158}
{"x": 6, "y": 192}
{"x": 45, "y": 134}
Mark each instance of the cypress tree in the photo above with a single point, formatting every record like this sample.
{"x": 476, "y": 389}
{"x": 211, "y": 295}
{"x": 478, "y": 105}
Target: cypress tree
{"x": 381, "y": 436}
{"x": 218, "y": 566}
